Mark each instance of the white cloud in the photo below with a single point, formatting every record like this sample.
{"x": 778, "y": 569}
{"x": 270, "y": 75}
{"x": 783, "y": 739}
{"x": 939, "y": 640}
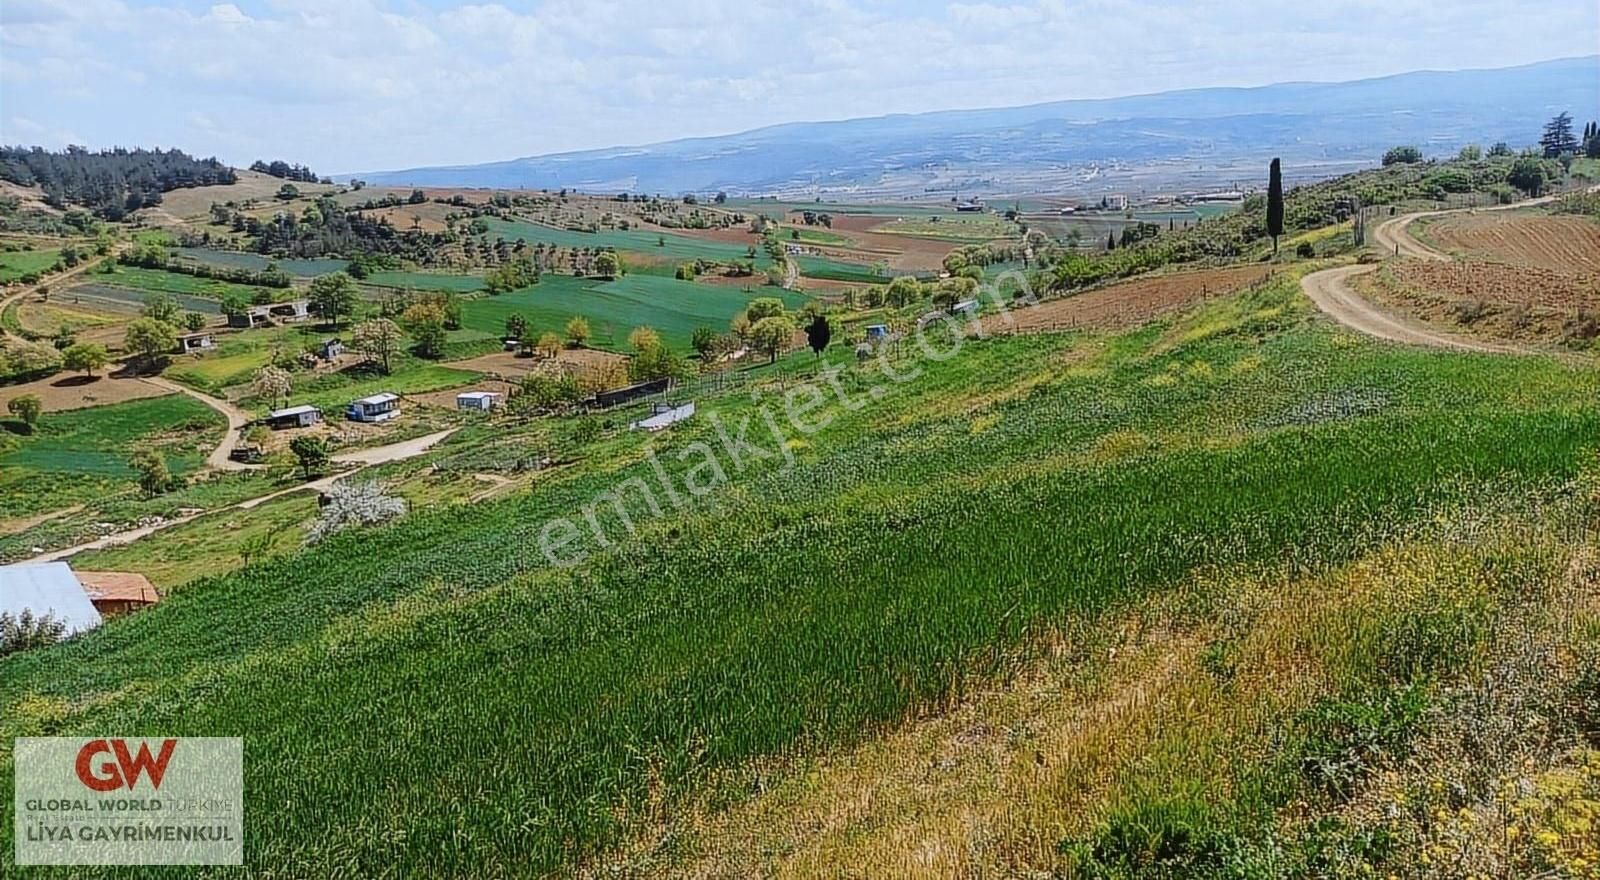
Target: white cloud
{"x": 368, "y": 84}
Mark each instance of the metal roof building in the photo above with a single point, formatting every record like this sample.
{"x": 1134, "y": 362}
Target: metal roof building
{"x": 50, "y": 588}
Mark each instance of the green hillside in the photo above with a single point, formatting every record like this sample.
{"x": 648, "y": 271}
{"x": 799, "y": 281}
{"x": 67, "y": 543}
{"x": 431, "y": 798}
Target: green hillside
{"x": 434, "y": 698}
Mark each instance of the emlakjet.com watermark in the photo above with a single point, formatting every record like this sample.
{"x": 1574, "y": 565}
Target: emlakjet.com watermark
{"x": 129, "y": 801}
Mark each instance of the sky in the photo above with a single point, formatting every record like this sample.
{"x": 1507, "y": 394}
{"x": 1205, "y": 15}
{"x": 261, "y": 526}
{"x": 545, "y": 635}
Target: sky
{"x": 368, "y": 85}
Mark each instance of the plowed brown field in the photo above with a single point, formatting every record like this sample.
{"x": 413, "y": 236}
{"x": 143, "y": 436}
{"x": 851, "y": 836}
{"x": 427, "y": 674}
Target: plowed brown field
{"x": 1126, "y": 304}
{"x": 1561, "y": 243}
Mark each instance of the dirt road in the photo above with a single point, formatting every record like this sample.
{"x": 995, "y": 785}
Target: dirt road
{"x": 237, "y": 419}
{"x": 1330, "y": 290}
{"x": 363, "y": 459}
{"x": 19, "y": 293}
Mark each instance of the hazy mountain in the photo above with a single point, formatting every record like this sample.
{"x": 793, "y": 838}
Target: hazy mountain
{"x": 1195, "y": 135}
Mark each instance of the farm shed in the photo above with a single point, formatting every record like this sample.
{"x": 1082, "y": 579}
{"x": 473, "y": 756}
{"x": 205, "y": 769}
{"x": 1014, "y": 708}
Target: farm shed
{"x": 619, "y": 396}
{"x": 482, "y": 401}
{"x": 970, "y": 207}
{"x": 303, "y": 416}
{"x": 664, "y": 415}
{"x": 193, "y": 342}
{"x": 966, "y": 307}
{"x": 48, "y": 589}
{"x": 118, "y": 592}
{"x": 286, "y": 312}
{"x": 330, "y": 349}
{"x": 877, "y": 332}
{"x": 377, "y": 408}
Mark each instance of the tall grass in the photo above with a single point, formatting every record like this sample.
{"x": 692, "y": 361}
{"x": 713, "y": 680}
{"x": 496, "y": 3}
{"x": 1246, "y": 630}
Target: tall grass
{"x": 431, "y": 699}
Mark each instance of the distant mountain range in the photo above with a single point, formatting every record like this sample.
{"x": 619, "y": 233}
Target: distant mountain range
{"x": 1195, "y": 138}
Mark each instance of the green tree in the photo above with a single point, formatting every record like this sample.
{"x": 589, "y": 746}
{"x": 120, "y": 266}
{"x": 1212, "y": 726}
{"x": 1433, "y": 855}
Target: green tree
{"x": 24, "y": 631}
{"x": 148, "y": 338}
{"x": 379, "y": 339}
{"x": 288, "y": 191}
{"x": 1528, "y": 174}
{"x": 1402, "y": 156}
{"x": 606, "y": 264}
{"x": 154, "y": 475}
{"x": 818, "y": 333}
{"x": 272, "y": 383}
{"x": 577, "y": 331}
{"x": 656, "y": 361}
{"x": 162, "y": 307}
{"x": 762, "y": 308}
{"x": 516, "y": 326}
{"x": 903, "y": 291}
{"x": 549, "y": 344}
{"x": 311, "y": 451}
{"x": 704, "y": 342}
{"x": 772, "y": 335}
{"x": 86, "y": 357}
{"x": 642, "y": 338}
{"x": 1470, "y": 153}
{"x": 425, "y": 322}
{"x": 1275, "y": 203}
{"x": 26, "y": 408}
{"x": 1557, "y": 138}
{"x": 194, "y": 322}
{"x": 333, "y": 296}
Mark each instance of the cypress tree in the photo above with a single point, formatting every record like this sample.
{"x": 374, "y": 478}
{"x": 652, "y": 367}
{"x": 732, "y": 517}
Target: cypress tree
{"x": 1111, "y": 241}
{"x": 1275, "y": 204}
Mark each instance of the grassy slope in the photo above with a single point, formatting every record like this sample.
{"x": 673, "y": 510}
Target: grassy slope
{"x": 15, "y": 264}
{"x": 1026, "y": 483}
{"x": 83, "y": 453}
{"x": 674, "y": 308}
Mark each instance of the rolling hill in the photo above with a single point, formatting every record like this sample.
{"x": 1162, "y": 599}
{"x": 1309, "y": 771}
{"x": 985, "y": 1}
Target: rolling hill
{"x": 1194, "y": 137}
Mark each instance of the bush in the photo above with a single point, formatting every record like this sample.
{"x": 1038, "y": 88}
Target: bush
{"x": 1305, "y": 250}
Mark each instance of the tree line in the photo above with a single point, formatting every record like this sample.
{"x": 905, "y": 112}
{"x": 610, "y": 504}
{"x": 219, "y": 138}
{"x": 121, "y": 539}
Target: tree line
{"x": 281, "y": 169}
{"x": 111, "y": 182}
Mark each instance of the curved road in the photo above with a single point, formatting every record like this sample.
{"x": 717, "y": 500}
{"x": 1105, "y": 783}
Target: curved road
{"x": 362, "y": 459}
{"x": 237, "y": 419}
{"x": 1330, "y": 289}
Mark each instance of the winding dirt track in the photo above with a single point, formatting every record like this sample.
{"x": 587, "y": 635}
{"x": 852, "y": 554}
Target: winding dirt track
{"x": 1330, "y": 289}
{"x": 362, "y": 459}
{"x": 237, "y": 419}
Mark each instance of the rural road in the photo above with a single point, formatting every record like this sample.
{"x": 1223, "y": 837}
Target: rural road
{"x": 1330, "y": 289}
{"x": 19, "y": 293}
{"x": 363, "y": 459}
{"x": 237, "y": 419}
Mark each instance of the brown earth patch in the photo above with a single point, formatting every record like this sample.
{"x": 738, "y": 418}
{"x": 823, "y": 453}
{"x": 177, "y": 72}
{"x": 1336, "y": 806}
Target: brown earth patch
{"x": 1542, "y": 241}
{"x": 1491, "y": 300}
{"x": 585, "y": 362}
{"x": 65, "y": 391}
{"x": 1127, "y": 304}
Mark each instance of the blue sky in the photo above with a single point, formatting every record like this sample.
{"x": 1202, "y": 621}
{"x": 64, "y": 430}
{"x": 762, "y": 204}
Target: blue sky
{"x": 352, "y": 85}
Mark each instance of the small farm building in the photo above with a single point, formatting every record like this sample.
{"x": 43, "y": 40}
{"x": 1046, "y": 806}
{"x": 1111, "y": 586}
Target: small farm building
{"x": 482, "y": 401}
{"x": 47, "y": 589}
{"x": 377, "y": 408}
{"x": 330, "y": 349}
{"x": 303, "y": 416}
{"x": 877, "y": 331}
{"x": 193, "y": 342}
{"x": 118, "y": 592}
{"x": 286, "y": 312}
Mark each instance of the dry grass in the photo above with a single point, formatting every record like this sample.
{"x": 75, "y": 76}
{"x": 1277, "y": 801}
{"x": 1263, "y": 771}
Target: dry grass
{"x": 1177, "y": 696}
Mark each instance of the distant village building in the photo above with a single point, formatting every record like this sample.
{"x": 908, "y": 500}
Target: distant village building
{"x": 377, "y": 408}
{"x": 303, "y": 416}
{"x": 189, "y": 343}
{"x": 481, "y": 401}
{"x": 663, "y": 415}
{"x": 877, "y": 332}
{"x": 286, "y": 312}
{"x": 1115, "y": 202}
{"x": 969, "y": 207}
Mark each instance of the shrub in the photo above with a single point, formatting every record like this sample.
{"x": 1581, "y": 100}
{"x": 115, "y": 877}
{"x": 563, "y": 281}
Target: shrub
{"x": 351, "y": 505}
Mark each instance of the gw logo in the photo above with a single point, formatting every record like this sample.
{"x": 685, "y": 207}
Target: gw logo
{"x": 126, "y": 770}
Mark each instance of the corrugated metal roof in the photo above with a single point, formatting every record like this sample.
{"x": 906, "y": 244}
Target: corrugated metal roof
{"x": 118, "y": 586}
{"x": 50, "y": 588}
{"x": 292, "y": 411}
{"x": 385, "y": 397}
